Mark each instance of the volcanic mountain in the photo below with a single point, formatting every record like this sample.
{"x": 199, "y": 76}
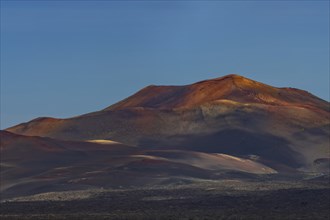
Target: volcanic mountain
{"x": 284, "y": 128}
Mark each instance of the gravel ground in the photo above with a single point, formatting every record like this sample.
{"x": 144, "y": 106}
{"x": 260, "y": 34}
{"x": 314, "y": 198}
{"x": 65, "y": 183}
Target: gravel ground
{"x": 228, "y": 199}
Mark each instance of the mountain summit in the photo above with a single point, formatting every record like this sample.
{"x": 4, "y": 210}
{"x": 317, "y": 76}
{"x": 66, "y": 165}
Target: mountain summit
{"x": 231, "y": 87}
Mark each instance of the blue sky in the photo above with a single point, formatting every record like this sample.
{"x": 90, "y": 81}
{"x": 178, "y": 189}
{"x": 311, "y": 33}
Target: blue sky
{"x": 65, "y": 58}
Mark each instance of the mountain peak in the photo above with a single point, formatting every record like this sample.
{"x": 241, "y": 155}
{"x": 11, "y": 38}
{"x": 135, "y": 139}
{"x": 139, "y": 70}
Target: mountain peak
{"x": 231, "y": 79}
{"x": 230, "y": 76}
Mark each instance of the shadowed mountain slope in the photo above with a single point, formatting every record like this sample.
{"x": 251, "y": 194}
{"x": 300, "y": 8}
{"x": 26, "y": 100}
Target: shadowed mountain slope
{"x": 32, "y": 165}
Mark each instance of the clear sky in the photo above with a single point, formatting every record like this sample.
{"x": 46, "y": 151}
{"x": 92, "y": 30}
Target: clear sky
{"x": 65, "y": 58}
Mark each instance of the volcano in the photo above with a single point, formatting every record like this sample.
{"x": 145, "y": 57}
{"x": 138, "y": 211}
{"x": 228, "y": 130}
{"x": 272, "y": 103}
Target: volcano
{"x": 286, "y": 129}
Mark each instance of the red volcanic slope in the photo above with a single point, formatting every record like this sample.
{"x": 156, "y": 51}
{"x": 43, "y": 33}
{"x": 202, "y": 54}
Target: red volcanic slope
{"x": 230, "y": 87}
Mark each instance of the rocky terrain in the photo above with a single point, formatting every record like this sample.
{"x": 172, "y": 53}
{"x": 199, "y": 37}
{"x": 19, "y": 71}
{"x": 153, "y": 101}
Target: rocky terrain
{"x": 223, "y": 199}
